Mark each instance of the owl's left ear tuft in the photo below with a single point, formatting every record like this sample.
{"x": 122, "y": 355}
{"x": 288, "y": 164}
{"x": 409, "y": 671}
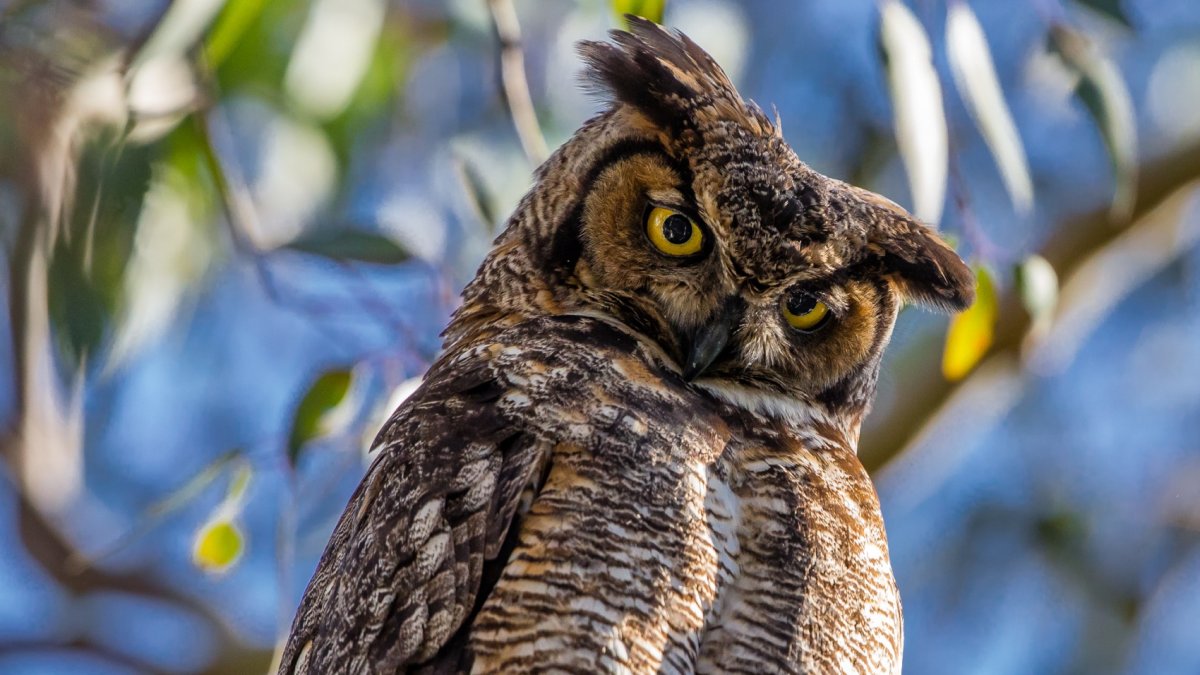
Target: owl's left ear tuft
{"x": 926, "y": 269}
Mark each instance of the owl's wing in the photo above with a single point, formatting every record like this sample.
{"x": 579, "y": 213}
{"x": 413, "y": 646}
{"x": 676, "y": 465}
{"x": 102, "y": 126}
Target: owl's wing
{"x": 425, "y": 535}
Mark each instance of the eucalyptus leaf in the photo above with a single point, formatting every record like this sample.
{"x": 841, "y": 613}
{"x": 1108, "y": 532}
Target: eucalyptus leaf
{"x": 971, "y": 331}
{"x": 478, "y": 196}
{"x": 919, "y": 120}
{"x": 230, "y": 27}
{"x": 1102, "y": 91}
{"x": 316, "y": 409}
{"x": 1037, "y": 284}
{"x": 351, "y": 245}
{"x": 975, "y": 78}
{"x": 1111, "y": 9}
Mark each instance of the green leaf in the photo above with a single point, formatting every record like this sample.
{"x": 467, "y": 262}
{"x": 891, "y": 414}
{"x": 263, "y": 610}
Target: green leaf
{"x": 91, "y": 256}
{"x": 1037, "y": 284}
{"x": 476, "y": 192}
{"x": 919, "y": 121}
{"x": 218, "y": 546}
{"x": 1103, "y": 92}
{"x": 314, "y": 413}
{"x": 1111, "y": 9}
{"x": 231, "y": 25}
{"x": 647, "y": 9}
{"x": 975, "y": 78}
{"x": 350, "y": 245}
{"x": 971, "y": 332}
{"x": 255, "y": 46}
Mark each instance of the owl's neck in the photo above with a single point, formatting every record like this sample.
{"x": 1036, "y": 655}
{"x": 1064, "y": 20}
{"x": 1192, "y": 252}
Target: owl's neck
{"x": 811, "y": 422}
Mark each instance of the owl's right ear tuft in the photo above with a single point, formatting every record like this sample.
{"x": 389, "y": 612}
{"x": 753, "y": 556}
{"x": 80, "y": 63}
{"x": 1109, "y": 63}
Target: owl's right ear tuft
{"x": 926, "y": 269}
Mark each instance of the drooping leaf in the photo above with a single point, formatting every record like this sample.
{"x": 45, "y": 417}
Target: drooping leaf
{"x": 1103, "y": 92}
{"x": 180, "y": 28}
{"x": 218, "y": 546}
{"x": 647, "y": 9}
{"x": 1038, "y": 285}
{"x": 350, "y": 245}
{"x": 316, "y": 408}
{"x": 919, "y": 120}
{"x": 229, "y": 29}
{"x": 255, "y": 45}
{"x": 971, "y": 331}
{"x": 173, "y": 249}
{"x": 1109, "y": 8}
{"x": 975, "y": 78}
{"x": 393, "y": 55}
{"x": 91, "y": 258}
{"x": 476, "y": 191}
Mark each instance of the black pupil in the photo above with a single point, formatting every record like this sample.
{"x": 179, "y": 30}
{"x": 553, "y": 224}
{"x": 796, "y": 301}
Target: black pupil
{"x": 799, "y": 305}
{"x": 677, "y": 229}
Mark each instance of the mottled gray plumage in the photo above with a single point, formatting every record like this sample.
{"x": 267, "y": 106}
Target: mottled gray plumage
{"x": 629, "y": 461}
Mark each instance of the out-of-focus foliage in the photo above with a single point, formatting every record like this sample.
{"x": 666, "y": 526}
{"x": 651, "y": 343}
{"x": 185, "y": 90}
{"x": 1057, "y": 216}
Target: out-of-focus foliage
{"x": 242, "y": 225}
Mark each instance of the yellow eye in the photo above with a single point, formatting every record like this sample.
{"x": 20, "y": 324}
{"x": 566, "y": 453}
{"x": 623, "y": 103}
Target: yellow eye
{"x": 673, "y": 233}
{"x": 804, "y": 312}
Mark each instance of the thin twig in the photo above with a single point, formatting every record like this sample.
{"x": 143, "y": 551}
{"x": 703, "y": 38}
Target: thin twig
{"x": 516, "y": 86}
{"x": 984, "y": 247}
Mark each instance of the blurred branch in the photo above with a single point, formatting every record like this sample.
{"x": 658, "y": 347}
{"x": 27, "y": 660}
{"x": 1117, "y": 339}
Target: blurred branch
{"x": 516, "y": 87}
{"x": 1068, "y": 249}
{"x": 55, "y": 555}
{"x": 97, "y": 651}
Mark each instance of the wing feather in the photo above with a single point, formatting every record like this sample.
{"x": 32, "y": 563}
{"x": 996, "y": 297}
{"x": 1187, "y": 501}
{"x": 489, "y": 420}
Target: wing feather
{"x": 407, "y": 565}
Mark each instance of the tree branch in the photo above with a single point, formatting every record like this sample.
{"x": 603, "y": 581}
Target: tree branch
{"x": 516, "y": 87}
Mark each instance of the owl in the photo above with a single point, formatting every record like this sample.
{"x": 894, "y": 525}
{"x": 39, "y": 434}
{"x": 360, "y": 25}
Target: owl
{"x": 636, "y": 453}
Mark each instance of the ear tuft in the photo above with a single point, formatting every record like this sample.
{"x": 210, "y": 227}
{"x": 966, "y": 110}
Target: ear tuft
{"x": 662, "y": 73}
{"x": 928, "y": 271}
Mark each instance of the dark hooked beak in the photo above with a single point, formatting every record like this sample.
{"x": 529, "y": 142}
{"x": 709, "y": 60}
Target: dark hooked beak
{"x": 708, "y": 342}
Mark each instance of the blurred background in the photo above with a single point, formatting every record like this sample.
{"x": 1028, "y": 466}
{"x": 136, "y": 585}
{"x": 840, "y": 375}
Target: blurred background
{"x": 232, "y": 231}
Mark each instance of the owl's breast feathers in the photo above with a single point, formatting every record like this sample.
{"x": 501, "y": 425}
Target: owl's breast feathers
{"x": 537, "y": 505}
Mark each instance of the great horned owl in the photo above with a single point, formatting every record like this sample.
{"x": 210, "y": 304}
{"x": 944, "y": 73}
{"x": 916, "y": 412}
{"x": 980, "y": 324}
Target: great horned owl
{"x": 637, "y": 452}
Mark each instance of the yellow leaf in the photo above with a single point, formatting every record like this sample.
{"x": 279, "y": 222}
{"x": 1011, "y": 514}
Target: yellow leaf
{"x": 648, "y": 9}
{"x": 218, "y": 546}
{"x": 971, "y": 332}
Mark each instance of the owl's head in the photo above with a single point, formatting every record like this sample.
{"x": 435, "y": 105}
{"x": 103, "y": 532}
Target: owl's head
{"x": 682, "y": 213}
